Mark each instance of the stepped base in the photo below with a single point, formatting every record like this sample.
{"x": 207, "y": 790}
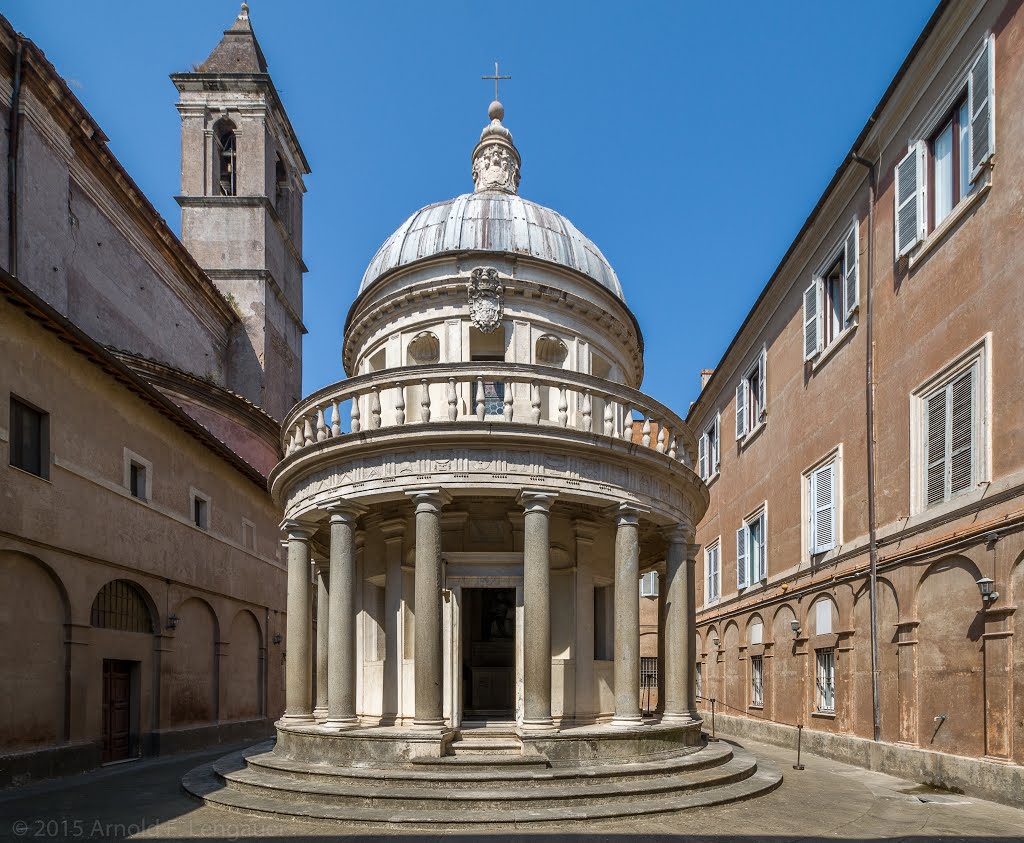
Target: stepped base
{"x": 491, "y": 781}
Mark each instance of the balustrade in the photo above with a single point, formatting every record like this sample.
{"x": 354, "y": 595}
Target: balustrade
{"x": 489, "y": 393}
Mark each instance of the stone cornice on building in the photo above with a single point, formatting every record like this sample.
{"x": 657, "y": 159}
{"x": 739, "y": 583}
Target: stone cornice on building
{"x": 88, "y": 145}
{"x": 35, "y": 308}
{"x": 173, "y": 381}
{"x": 268, "y": 276}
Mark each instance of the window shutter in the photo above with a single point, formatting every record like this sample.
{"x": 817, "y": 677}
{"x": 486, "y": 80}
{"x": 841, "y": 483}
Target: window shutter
{"x": 936, "y": 457}
{"x": 909, "y": 200}
{"x": 823, "y": 528}
{"x": 741, "y": 557}
{"x": 811, "y": 333}
{"x": 703, "y": 457}
{"x": 981, "y": 104}
{"x": 762, "y": 364}
{"x": 741, "y": 409}
{"x": 717, "y": 450}
{"x": 762, "y": 559}
{"x": 851, "y": 263}
{"x": 961, "y": 451}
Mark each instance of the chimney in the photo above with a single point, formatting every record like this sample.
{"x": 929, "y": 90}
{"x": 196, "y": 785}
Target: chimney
{"x": 705, "y": 376}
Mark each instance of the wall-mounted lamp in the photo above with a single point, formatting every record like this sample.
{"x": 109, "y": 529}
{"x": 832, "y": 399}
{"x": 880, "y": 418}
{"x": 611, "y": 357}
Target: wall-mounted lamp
{"x": 277, "y": 639}
{"x": 985, "y": 585}
{"x": 795, "y": 626}
{"x": 172, "y": 622}
{"x": 715, "y": 641}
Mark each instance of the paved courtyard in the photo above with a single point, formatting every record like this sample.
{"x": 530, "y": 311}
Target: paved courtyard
{"x": 826, "y": 801}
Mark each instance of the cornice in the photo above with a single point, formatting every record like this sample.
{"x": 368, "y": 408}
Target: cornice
{"x": 266, "y": 275}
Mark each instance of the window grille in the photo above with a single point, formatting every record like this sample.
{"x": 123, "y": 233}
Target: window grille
{"x": 826, "y": 680}
{"x": 756, "y": 680}
{"x": 119, "y": 605}
{"x": 648, "y": 671}
{"x": 700, "y": 679}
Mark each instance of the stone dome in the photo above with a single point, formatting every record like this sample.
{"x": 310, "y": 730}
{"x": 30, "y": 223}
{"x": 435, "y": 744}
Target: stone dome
{"x": 491, "y": 221}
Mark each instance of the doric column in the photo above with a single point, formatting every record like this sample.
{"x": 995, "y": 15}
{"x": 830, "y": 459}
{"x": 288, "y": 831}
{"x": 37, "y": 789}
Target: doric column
{"x": 429, "y": 658}
{"x": 627, "y": 615}
{"x": 341, "y": 660}
{"x": 536, "y": 608}
{"x": 680, "y": 630}
{"x": 298, "y": 690}
{"x": 323, "y": 612}
{"x": 393, "y": 531}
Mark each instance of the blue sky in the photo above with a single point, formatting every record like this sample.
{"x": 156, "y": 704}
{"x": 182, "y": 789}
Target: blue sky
{"x": 688, "y": 140}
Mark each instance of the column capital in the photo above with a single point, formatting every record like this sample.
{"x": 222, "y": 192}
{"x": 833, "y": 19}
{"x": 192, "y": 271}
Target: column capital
{"x": 585, "y": 529}
{"x": 393, "y": 529}
{"x": 678, "y": 534}
{"x": 691, "y": 552}
{"x": 344, "y": 511}
{"x": 298, "y": 530}
{"x": 627, "y": 513}
{"x": 429, "y": 499}
{"x": 536, "y": 500}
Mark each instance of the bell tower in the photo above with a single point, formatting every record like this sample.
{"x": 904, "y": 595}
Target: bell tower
{"x": 242, "y": 172}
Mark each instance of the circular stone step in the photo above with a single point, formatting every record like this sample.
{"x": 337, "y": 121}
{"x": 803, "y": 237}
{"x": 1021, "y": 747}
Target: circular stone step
{"x": 375, "y": 797}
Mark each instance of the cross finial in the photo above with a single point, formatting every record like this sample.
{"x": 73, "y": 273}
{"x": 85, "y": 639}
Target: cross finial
{"x": 496, "y": 77}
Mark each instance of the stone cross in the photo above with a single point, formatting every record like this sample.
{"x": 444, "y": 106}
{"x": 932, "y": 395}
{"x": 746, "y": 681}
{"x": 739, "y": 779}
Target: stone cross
{"x": 496, "y": 77}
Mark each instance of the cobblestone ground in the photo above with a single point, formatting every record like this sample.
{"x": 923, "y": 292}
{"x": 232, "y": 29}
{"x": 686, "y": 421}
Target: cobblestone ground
{"x": 826, "y": 801}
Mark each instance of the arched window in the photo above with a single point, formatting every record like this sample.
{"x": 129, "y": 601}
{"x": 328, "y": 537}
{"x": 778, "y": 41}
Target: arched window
{"x": 120, "y": 605}
{"x": 225, "y": 159}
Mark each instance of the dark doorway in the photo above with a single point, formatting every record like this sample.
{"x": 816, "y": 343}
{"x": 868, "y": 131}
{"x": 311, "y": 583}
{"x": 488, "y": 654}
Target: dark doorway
{"x": 488, "y": 652}
{"x": 117, "y": 710}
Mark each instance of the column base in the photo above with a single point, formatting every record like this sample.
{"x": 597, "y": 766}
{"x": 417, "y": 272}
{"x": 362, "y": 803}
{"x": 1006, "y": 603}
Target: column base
{"x": 535, "y": 727}
{"x": 677, "y": 717}
{"x": 429, "y": 725}
{"x": 296, "y": 720}
{"x": 627, "y": 722}
{"x": 320, "y": 713}
{"x": 339, "y": 724}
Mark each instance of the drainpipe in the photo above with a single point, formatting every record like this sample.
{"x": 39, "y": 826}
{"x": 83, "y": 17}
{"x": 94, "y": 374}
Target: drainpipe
{"x": 12, "y": 163}
{"x": 869, "y": 395}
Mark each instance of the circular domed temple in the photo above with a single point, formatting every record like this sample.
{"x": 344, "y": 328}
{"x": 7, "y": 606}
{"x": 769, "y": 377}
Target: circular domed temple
{"x": 478, "y": 501}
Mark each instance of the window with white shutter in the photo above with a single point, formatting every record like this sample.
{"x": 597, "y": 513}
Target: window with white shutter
{"x": 750, "y": 397}
{"x": 831, "y": 300}
{"x": 752, "y": 550}
{"x": 709, "y": 449}
{"x": 910, "y": 214}
{"x": 981, "y": 103}
{"x": 822, "y": 508}
{"x": 812, "y": 313}
{"x": 950, "y": 431}
{"x": 702, "y": 457}
{"x": 741, "y": 409}
{"x": 712, "y": 572}
{"x": 741, "y": 557}
{"x": 851, "y": 269}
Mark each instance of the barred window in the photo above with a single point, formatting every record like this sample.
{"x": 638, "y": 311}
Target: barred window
{"x": 648, "y": 671}
{"x": 120, "y": 605}
{"x": 826, "y": 679}
{"x": 756, "y": 681}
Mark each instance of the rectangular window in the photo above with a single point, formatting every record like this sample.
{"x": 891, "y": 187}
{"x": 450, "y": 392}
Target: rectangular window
{"x": 712, "y": 572}
{"x": 604, "y": 625}
{"x": 709, "y": 449}
{"x": 833, "y": 296}
{"x": 137, "y": 480}
{"x": 700, "y": 679}
{"x": 200, "y": 510}
{"x": 30, "y": 439}
{"x": 752, "y": 550}
{"x": 949, "y": 163}
{"x": 822, "y": 508}
{"x": 248, "y": 534}
{"x": 826, "y": 679}
{"x": 750, "y": 397}
{"x": 648, "y": 671}
{"x": 950, "y": 431}
{"x": 757, "y": 681}
{"x": 649, "y": 584}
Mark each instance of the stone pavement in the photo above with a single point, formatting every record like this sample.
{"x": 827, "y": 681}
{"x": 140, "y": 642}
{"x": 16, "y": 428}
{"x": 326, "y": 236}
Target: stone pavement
{"x": 826, "y": 801}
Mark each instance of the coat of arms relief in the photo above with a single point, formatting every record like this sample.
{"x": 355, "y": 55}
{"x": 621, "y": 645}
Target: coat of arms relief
{"x": 486, "y": 299}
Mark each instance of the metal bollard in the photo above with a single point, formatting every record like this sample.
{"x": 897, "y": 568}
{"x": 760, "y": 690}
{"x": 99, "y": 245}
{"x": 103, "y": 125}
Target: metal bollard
{"x": 712, "y": 738}
{"x": 799, "y": 733}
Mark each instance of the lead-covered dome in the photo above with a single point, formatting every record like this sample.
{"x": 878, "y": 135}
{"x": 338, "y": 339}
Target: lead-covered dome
{"x": 492, "y": 219}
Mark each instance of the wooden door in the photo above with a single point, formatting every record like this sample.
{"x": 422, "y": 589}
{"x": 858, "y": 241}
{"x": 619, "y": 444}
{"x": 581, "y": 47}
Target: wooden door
{"x": 117, "y": 710}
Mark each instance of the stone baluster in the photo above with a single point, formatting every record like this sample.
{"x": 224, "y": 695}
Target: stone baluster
{"x": 646, "y": 432}
{"x": 673, "y": 445}
{"x": 453, "y": 401}
{"x": 355, "y": 414}
{"x": 307, "y": 432}
{"x": 481, "y": 404}
{"x": 609, "y": 416}
{"x": 429, "y": 662}
{"x": 535, "y": 402}
{"x": 626, "y": 673}
{"x": 507, "y": 412}
{"x": 341, "y": 665}
{"x": 292, "y": 444}
{"x": 563, "y": 406}
{"x": 399, "y": 403}
{"x": 335, "y": 419}
{"x": 588, "y": 411}
{"x": 321, "y": 425}
{"x": 298, "y": 665}
{"x": 375, "y": 408}
{"x": 424, "y": 401}
{"x": 537, "y": 608}
{"x": 627, "y": 423}
{"x": 660, "y": 448}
